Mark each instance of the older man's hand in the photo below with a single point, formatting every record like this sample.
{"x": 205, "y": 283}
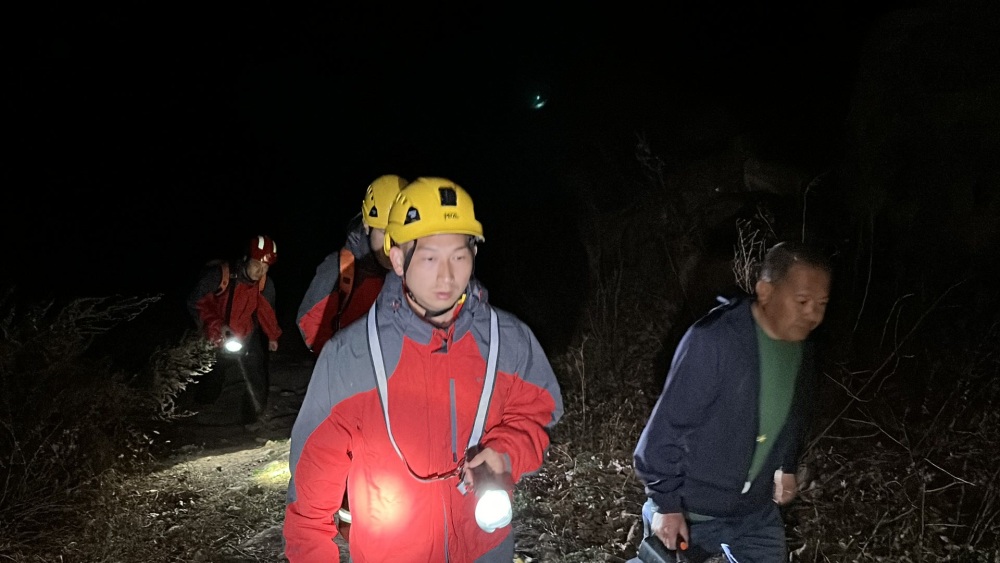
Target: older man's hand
{"x": 786, "y": 486}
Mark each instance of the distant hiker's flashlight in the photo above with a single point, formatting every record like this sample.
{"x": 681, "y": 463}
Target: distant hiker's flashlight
{"x": 232, "y": 344}
{"x": 493, "y": 509}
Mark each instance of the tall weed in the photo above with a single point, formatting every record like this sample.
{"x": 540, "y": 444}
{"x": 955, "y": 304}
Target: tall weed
{"x": 66, "y": 415}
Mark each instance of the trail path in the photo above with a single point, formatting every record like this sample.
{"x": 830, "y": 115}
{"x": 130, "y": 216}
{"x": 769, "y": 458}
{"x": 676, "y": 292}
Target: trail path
{"x": 223, "y": 487}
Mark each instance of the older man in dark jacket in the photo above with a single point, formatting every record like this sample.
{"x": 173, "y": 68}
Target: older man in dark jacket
{"x": 719, "y": 452}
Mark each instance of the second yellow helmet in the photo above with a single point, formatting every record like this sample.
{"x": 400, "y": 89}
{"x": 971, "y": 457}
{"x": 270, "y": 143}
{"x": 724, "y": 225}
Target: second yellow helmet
{"x": 378, "y": 199}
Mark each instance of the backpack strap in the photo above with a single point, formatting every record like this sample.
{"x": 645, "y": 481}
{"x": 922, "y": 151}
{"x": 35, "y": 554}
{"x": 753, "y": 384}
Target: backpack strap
{"x": 224, "y": 280}
{"x": 226, "y": 276}
{"x": 232, "y": 290}
{"x": 346, "y": 283}
{"x": 346, "y": 273}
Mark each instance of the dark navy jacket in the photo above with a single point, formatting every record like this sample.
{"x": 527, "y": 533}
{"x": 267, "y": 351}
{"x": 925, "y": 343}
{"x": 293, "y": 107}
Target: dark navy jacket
{"x": 696, "y": 449}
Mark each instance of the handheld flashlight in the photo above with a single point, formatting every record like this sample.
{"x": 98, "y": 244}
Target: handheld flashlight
{"x": 493, "y": 508}
{"x": 232, "y": 344}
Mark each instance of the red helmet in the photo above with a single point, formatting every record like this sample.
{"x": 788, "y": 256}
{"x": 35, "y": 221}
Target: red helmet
{"x": 262, "y": 248}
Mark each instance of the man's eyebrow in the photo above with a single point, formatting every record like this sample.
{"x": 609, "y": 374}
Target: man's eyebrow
{"x": 441, "y": 247}
{"x": 809, "y": 294}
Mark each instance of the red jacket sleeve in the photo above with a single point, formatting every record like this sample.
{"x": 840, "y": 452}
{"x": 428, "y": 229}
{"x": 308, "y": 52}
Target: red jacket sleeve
{"x": 211, "y": 322}
{"x": 203, "y": 304}
{"x": 318, "y": 310}
{"x": 319, "y": 479}
{"x": 521, "y": 433}
{"x": 533, "y": 405}
{"x": 265, "y": 313}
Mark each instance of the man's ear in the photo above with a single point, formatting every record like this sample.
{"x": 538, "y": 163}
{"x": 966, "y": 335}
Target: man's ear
{"x": 397, "y": 257}
{"x": 763, "y": 290}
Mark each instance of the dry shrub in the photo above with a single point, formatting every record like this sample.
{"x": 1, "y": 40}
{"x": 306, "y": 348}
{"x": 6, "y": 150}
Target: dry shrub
{"x": 67, "y": 417}
{"x": 890, "y": 480}
{"x": 754, "y": 237}
{"x": 583, "y": 504}
{"x": 605, "y": 375}
{"x": 172, "y": 368}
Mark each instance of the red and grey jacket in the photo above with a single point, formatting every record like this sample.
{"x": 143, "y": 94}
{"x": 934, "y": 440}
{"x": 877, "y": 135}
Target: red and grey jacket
{"x": 209, "y": 300}
{"x": 344, "y": 287}
{"x": 435, "y": 378}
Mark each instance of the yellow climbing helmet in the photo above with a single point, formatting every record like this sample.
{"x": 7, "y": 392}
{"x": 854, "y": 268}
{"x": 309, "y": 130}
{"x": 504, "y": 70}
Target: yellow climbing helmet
{"x": 431, "y": 206}
{"x": 378, "y": 199}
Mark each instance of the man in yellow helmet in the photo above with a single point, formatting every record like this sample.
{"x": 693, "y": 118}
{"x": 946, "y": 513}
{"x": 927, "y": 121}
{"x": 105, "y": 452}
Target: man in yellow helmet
{"x": 436, "y": 392}
{"x": 347, "y": 281}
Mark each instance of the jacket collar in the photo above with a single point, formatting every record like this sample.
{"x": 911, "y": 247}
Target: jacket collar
{"x": 394, "y": 308}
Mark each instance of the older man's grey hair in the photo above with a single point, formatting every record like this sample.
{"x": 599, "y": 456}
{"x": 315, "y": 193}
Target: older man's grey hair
{"x": 782, "y": 256}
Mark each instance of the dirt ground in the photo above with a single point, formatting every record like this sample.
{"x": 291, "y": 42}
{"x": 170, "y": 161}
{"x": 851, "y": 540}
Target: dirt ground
{"x": 224, "y": 486}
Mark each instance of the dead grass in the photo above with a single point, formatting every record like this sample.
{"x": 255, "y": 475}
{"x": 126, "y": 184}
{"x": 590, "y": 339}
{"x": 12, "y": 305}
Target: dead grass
{"x": 891, "y": 480}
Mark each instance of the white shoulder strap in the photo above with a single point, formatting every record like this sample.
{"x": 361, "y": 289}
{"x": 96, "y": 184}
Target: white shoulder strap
{"x": 375, "y": 348}
{"x": 491, "y": 376}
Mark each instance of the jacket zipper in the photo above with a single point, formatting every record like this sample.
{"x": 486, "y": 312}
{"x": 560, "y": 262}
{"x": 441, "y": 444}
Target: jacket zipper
{"x": 454, "y": 422}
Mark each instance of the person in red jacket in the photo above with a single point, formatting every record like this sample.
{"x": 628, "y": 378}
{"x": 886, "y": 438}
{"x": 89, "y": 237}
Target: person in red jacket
{"x": 417, "y": 408}
{"x": 347, "y": 281}
{"x": 233, "y": 303}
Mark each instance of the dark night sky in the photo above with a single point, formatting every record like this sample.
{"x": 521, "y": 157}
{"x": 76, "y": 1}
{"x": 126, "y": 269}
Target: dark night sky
{"x": 150, "y": 139}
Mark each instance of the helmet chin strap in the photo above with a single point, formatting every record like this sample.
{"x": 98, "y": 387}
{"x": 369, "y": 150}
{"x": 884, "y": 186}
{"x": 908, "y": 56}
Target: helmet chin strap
{"x": 429, "y": 314}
